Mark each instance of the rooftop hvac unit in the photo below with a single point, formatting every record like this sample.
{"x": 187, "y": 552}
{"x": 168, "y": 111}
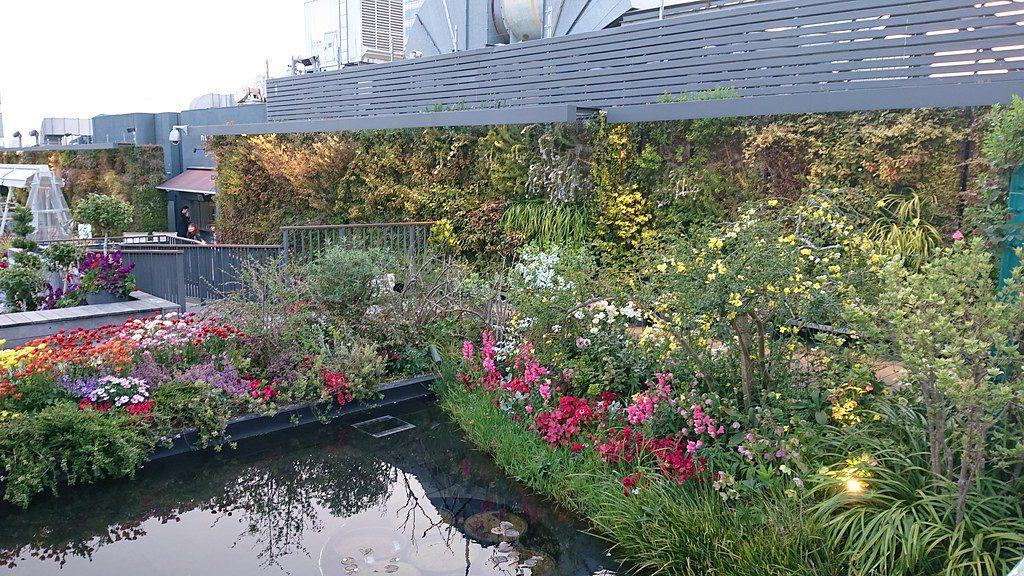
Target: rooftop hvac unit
{"x": 342, "y": 32}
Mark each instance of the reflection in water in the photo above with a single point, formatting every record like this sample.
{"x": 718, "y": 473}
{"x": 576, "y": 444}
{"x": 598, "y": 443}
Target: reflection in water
{"x": 327, "y": 500}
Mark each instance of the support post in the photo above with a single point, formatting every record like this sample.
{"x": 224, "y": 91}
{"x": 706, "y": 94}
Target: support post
{"x": 1015, "y": 203}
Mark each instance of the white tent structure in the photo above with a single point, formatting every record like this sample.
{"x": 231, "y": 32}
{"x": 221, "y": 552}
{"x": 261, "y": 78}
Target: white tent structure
{"x": 51, "y": 215}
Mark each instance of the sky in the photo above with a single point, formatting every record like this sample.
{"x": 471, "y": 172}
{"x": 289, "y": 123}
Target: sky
{"x": 78, "y": 59}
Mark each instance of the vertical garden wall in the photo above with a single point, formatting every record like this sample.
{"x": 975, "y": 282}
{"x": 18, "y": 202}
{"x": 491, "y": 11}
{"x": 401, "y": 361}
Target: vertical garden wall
{"x": 128, "y": 172}
{"x": 619, "y": 185}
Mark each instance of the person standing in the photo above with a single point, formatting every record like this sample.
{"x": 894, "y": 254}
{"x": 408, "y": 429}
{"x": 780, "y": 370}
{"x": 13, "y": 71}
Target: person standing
{"x": 184, "y": 221}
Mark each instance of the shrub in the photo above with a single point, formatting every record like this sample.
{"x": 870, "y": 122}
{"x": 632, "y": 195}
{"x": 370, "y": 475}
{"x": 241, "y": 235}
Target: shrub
{"x": 346, "y": 281}
{"x": 62, "y": 443}
{"x": 22, "y": 228}
{"x": 958, "y": 339}
{"x": 1003, "y": 142}
{"x": 22, "y": 284}
{"x": 62, "y": 255}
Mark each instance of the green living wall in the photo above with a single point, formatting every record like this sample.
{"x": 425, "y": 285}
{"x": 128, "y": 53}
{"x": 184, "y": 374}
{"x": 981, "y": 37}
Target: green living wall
{"x": 618, "y": 186}
{"x": 128, "y": 172}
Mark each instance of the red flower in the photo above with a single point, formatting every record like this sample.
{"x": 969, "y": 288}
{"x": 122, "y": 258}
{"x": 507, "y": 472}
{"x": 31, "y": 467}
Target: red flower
{"x": 576, "y": 447}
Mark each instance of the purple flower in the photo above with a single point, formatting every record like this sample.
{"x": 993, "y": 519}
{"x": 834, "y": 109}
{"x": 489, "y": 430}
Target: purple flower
{"x": 79, "y": 387}
{"x": 217, "y": 372}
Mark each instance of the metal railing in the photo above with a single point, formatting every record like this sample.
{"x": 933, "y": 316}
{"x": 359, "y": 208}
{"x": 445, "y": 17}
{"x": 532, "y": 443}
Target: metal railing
{"x": 160, "y": 273}
{"x": 211, "y": 270}
{"x": 182, "y": 270}
{"x": 303, "y": 243}
{"x": 118, "y": 242}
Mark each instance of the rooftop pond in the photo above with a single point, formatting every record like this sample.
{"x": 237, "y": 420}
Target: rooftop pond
{"x": 323, "y": 500}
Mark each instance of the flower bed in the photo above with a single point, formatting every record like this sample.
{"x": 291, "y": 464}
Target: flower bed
{"x": 680, "y": 409}
{"x": 19, "y": 328}
{"x": 85, "y": 404}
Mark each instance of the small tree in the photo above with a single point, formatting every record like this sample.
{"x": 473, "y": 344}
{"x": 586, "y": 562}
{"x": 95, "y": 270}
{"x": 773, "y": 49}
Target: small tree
{"x": 21, "y": 281}
{"x": 107, "y": 214}
{"x": 21, "y": 228}
{"x": 958, "y": 339}
{"x": 742, "y": 282}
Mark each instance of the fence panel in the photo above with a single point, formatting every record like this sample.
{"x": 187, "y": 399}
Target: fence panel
{"x": 181, "y": 270}
{"x": 303, "y": 243}
{"x": 962, "y": 52}
{"x": 159, "y": 272}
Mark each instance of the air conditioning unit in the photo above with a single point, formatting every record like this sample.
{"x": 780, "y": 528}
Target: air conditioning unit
{"x": 344, "y": 32}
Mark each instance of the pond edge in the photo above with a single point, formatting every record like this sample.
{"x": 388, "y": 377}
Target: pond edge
{"x": 297, "y": 415}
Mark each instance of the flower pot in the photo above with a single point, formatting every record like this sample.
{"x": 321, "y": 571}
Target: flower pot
{"x": 103, "y": 298}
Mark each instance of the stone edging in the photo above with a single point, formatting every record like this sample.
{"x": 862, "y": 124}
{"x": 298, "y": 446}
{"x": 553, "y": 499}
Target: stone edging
{"x": 17, "y": 328}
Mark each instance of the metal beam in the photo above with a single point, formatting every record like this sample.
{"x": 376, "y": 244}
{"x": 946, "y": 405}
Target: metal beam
{"x": 65, "y": 147}
{"x": 482, "y": 117}
{"x": 981, "y": 94}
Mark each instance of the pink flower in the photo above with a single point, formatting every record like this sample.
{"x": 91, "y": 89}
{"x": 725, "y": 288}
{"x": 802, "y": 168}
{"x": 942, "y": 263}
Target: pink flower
{"x": 958, "y": 235}
{"x": 545, "y": 392}
{"x": 467, "y": 350}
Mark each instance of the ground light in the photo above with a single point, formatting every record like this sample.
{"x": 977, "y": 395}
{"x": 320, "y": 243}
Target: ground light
{"x": 854, "y": 486}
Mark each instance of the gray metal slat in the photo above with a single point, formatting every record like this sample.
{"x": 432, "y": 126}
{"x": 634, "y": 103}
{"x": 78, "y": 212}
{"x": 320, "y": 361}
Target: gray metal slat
{"x": 626, "y": 95}
{"x": 763, "y": 69}
{"x": 701, "y": 35}
{"x": 850, "y": 101}
{"x": 931, "y": 42}
{"x": 742, "y": 14}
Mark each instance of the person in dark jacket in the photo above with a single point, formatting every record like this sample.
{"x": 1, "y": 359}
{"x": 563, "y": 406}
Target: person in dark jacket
{"x": 184, "y": 220}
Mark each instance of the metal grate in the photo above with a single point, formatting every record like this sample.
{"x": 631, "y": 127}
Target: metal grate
{"x": 383, "y": 426}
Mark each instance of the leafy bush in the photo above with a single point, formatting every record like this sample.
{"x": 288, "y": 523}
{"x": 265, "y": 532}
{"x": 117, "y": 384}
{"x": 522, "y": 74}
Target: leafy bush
{"x": 956, "y": 336}
{"x": 196, "y": 404}
{"x": 62, "y": 255}
{"x": 21, "y": 284}
{"x": 22, "y": 227}
{"x": 108, "y": 215}
{"x": 62, "y": 443}
{"x": 346, "y": 281}
{"x": 1003, "y": 142}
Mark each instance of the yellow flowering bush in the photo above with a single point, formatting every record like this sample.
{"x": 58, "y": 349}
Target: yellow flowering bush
{"x": 747, "y": 287}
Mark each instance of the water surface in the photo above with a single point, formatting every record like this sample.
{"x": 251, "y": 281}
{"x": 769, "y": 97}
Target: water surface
{"x": 325, "y": 500}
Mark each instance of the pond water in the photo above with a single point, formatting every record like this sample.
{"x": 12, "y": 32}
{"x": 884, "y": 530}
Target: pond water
{"x": 324, "y": 500}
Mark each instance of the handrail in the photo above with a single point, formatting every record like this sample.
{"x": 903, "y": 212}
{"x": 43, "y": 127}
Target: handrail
{"x": 217, "y": 245}
{"x": 366, "y": 225}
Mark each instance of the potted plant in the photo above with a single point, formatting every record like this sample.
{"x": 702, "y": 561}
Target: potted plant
{"x": 106, "y": 278}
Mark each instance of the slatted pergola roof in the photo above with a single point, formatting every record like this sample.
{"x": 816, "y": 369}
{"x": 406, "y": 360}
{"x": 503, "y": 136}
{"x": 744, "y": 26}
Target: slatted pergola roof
{"x": 759, "y": 57}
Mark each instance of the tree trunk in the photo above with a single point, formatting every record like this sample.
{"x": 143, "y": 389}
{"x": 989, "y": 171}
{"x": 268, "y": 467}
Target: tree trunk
{"x": 742, "y": 330}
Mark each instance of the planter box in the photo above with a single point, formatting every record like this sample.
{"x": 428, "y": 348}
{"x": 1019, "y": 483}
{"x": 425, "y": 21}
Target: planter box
{"x": 21, "y": 327}
{"x": 297, "y": 415}
{"x": 104, "y": 297}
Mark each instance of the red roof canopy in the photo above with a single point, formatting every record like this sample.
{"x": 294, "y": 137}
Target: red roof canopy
{"x": 198, "y": 180}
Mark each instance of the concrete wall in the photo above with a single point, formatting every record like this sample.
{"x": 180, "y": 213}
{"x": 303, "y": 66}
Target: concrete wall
{"x": 154, "y": 128}
{"x": 192, "y": 148}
